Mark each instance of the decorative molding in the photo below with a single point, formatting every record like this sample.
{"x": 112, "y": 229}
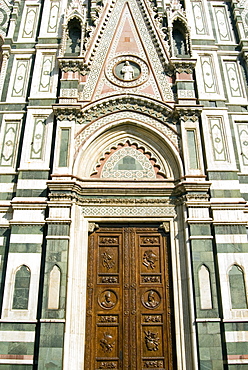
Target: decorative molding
{"x": 125, "y": 201}
{"x": 183, "y": 65}
{"x": 114, "y": 104}
{"x": 67, "y": 112}
{"x": 5, "y": 10}
{"x": 167, "y": 128}
{"x": 129, "y": 211}
{"x": 73, "y": 65}
{"x": 187, "y": 113}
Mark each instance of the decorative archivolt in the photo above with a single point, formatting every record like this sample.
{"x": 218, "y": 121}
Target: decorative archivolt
{"x": 148, "y": 164}
{"x": 149, "y": 147}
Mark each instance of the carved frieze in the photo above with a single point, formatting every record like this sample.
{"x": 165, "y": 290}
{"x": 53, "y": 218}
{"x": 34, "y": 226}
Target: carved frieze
{"x": 107, "y": 319}
{"x": 153, "y": 364}
{"x": 152, "y": 318}
{"x": 107, "y": 365}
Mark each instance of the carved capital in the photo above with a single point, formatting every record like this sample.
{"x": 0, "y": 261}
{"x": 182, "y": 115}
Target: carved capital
{"x": 165, "y": 226}
{"x": 92, "y": 227}
{"x": 73, "y": 65}
{"x": 183, "y": 65}
{"x": 187, "y": 113}
{"x": 70, "y": 113}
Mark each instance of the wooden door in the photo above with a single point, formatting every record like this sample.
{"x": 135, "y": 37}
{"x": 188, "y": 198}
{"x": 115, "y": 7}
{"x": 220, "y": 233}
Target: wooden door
{"x": 128, "y": 322}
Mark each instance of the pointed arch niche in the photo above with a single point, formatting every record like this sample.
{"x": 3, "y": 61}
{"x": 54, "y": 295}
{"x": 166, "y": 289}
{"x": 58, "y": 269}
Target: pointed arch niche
{"x": 54, "y": 288}
{"x": 237, "y": 288}
{"x": 21, "y": 288}
{"x": 128, "y": 151}
{"x": 205, "y": 288}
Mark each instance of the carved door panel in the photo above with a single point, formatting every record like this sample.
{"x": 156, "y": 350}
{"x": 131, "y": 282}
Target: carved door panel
{"x": 128, "y": 322}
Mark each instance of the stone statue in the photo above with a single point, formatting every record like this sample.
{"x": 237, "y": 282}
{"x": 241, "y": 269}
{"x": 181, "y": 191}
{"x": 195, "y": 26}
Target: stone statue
{"x": 127, "y": 71}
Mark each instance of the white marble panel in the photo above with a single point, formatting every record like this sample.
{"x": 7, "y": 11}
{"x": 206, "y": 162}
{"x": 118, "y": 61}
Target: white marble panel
{"x": 236, "y": 336}
{"x": 26, "y": 238}
{"x": 18, "y": 336}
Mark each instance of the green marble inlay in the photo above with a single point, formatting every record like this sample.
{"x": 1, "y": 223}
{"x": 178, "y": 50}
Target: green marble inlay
{"x": 17, "y": 348}
{"x": 64, "y": 146}
{"x": 232, "y": 247}
{"x": 38, "y": 175}
{"x": 237, "y": 288}
{"x": 27, "y": 229}
{"x": 16, "y": 367}
{"x": 230, "y": 229}
{"x": 193, "y": 157}
{"x": 21, "y": 290}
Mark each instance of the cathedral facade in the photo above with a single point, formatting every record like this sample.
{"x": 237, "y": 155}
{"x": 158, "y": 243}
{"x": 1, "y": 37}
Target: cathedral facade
{"x": 123, "y": 184}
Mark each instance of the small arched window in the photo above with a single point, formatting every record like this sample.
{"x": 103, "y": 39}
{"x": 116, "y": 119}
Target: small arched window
{"x": 54, "y": 288}
{"x": 205, "y": 288}
{"x": 21, "y": 289}
{"x": 73, "y": 44}
{"x": 237, "y": 288}
{"x": 180, "y": 42}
